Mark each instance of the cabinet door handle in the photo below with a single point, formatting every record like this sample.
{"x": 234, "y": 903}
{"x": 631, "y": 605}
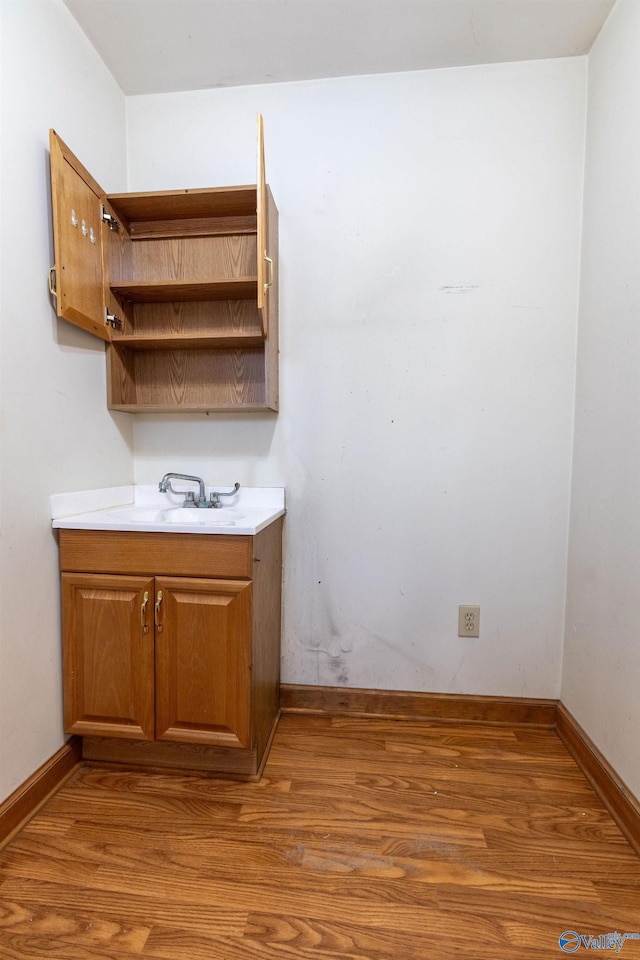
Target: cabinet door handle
{"x": 270, "y": 280}
{"x": 143, "y": 612}
{"x": 157, "y": 612}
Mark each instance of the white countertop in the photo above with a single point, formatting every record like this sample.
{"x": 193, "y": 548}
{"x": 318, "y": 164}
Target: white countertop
{"x": 143, "y": 508}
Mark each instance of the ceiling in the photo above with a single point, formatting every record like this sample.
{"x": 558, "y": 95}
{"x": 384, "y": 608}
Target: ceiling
{"x": 157, "y": 46}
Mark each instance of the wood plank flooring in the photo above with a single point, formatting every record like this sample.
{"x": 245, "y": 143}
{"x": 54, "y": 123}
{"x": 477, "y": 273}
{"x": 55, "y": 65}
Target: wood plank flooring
{"x": 365, "y": 839}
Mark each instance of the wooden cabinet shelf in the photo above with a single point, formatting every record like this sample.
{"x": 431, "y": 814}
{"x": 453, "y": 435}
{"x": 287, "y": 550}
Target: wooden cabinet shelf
{"x": 186, "y": 291}
{"x": 191, "y": 341}
{"x": 182, "y": 285}
{"x": 199, "y": 204}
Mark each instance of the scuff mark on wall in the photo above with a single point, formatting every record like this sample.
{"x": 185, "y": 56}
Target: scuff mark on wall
{"x": 337, "y": 646}
{"x": 329, "y": 644}
{"x": 459, "y": 288}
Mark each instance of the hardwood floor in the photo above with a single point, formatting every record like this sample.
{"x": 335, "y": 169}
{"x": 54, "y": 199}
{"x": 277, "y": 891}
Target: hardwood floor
{"x": 365, "y": 839}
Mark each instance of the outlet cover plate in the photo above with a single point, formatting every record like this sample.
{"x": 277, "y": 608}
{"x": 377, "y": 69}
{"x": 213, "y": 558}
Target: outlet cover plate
{"x": 468, "y": 621}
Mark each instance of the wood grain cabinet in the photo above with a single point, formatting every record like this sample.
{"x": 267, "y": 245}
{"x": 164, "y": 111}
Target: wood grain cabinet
{"x": 182, "y": 285}
{"x": 173, "y": 660}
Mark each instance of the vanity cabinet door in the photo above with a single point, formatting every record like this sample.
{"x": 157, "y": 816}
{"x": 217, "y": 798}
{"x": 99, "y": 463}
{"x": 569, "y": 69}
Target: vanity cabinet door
{"x": 203, "y": 661}
{"x": 108, "y": 646}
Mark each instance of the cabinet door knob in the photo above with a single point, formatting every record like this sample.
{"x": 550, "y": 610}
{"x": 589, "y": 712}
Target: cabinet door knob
{"x": 143, "y": 612}
{"x": 157, "y": 612}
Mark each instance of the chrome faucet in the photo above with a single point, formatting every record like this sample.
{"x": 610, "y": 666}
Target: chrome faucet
{"x": 189, "y": 495}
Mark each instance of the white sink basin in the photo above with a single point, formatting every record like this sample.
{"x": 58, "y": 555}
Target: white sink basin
{"x": 143, "y": 508}
{"x": 212, "y": 517}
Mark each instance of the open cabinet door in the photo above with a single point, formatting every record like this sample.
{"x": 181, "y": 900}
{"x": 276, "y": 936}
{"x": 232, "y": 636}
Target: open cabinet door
{"x": 79, "y": 240}
{"x": 265, "y": 264}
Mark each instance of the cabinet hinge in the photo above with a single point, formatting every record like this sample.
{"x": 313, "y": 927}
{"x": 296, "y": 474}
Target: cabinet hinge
{"x": 112, "y": 319}
{"x": 108, "y": 218}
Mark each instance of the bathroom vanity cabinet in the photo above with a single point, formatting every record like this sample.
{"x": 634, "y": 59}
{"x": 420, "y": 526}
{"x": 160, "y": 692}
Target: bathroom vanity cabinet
{"x": 171, "y": 646}
{"x": 182, "y": 285}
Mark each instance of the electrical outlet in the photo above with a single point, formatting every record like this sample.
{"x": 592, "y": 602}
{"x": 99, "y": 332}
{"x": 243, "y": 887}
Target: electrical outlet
{"x": 468, "y": 621}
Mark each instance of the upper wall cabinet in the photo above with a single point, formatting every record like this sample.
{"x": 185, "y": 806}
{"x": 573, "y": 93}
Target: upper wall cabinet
{"x": 181, "y": 284}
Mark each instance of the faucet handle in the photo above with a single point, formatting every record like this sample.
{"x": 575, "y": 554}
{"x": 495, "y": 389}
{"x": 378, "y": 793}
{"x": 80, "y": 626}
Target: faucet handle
{"x": 215, "y": 496}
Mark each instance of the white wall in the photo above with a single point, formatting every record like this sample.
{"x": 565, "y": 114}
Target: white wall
{"x": 601, "y": 673}
{"x": 56, "y": 433}
{"x": 430, "y": 232}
